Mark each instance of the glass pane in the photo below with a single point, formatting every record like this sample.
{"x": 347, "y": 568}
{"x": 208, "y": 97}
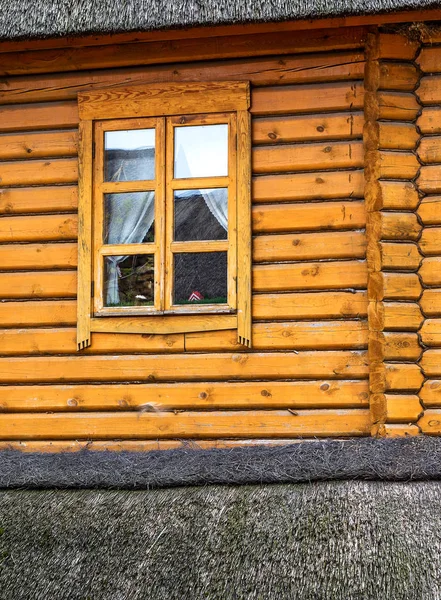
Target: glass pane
{"x": 201, "y": 215}
{"x": 201, "y": 151}
{"x": 129, "y": 155}
{"x": 129, "y": 218}
{"x": 129, "y": 280}
{"x": 200, "y": 278}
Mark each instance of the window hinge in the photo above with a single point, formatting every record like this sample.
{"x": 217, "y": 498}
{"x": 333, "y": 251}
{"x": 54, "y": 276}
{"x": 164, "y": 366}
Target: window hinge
{"x": 93, "y": 150}
{"x": 92, "y": 288}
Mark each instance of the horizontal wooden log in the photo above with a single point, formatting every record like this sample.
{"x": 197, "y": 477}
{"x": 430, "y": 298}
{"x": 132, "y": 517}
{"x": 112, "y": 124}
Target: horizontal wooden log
{"x": 38, "y": 200}
{"x": 308, "y": 186}
{"x": 261, "y": 71}
{"x": 429, "y": 210}
{"x": 394, "y": 286}
{"x": 397, "y": 136}
{"x": 429, "y": 59}
{"x": 401, "y": 316}
{"x": 430, "y": 393}
{"x": 37, "y": 256}
{"x": 402, "y": 77}
{"x": 186, "y": 396}
{"x": 186, "y": 50}
{"x": 32, "y": 117}
{"x": 126, "y": 425}
{"x": 20, "y": 146}
{"x": 431, "y": 363}
{"x": 398, "y": 165}
{"x": 401, "y": 346}
{"x": 403, "y": 377}
{"x": 429, "y": 120}
{"x": 429, "y": 150}
{"x": 38, "y": 228}
{"x": 397, "y": 106}
{"x": 38, "y": 172}
{"x": 431, "y": 302}
{"x": 308, "y": 157}
{"x": 398, "y": 195}
{"x": 431, "y": 332}
{"x": 310, "y": 276}
{"x": 430, "y": 422}
{"x": 429, "y": 90}
{"x": 403, "y": 408}
{"x": 15, "y": 342}
{"x": 392, "y": 430}
{"x": 323, "y": 335}
{"x": 429, "y": 180}
{"x": 430, "y": 271}
{"x": 396, "y": 46}
{"x": 38, "y": 284}
{"x": 307, "y": 98}
{"x": 399, "y": 257}
{"x": 312, "y": 305}
{"x": 186, "y": 367}
{"x": 303, "y": 128}
{"x": 274, "y": 218}
{"x": 38, "y": 313}
{"x": 399, "y": 226}
{"x": 308, "y": 246}
{"x": 430, "y": 242}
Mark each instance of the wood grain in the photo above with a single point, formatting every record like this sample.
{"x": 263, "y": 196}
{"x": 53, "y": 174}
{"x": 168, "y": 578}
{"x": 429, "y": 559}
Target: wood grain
{"x": 37, "y": 256}
{"x": 38, "y": 172}
{"x": 309, "y": 305}
{"x": 38, "y": 284}
{"x": 20, "y": 146}
{"x": 38, "y": 199}
{"x": 429, "y": 210}
{"x": 431, "y": 302}
{"x": 46, "y": 228}
{"x": 32, "y": 117}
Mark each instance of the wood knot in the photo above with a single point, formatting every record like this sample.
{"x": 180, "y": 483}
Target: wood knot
{"x": 327, "y": 149}
{"x": 123, "y": 403}
{"x": 72, "y": 402}
{"x": 272, "y": 136}
{"x": 325, "y": 387}
{"x": 434, "y": 423}
{"x": 203, "y": 395}
{"x": 265, "y": 393}
{"x": 320, "y": 128}
{"x": 319, "y": 180}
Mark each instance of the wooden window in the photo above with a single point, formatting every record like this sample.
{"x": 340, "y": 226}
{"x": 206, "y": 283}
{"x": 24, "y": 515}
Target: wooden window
{"x": 164, "y": 210}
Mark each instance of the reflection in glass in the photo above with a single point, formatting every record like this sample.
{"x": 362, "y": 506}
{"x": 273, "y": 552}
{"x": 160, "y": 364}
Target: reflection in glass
{"x": 129, "y": 280}
{"x": 201, "y": 215}
{"x": 129, "y": 218}
{"x": 201, "y": 151}
{"x": 200, "y": 278}
{"x": 129, "y": 155}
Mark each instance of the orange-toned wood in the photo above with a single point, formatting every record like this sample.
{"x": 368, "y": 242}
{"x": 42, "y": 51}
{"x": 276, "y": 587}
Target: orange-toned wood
{"x": 310, "y": 276}
{"x": 38, "y": 313}
{"x": 396, "y": 46}
{"x": 38, "y": 172}
{"x": 38, "y": 284}
{"x": 190, "y": 49}
{"x": 307, "y": 98}
{"x": 403, "y": 408}
{"x": 260, "y": 71}
{"x": 429, "y": 59}
{"x": 430, "y": 271}
{"x": 398, "y": 106}
{"x": 430, "y": 242}
{"x": 429, "y": 150}
{"x": 401, "y": 430}
{"x": 313, "y": 305}
{"x": 38, "y": 228}
{"x": 429, "y": 210}
{"x": 31, "y": 117}
{"x": 301, "y": 128}
{"x": 308, "y": 246}
{"x": 430, "y": 422}
{"x": 38, "y": 200}
{"x": 394, "y": 286}
{"x": 399, "y": 257}
{"x": 429, "y": 90}
{"x": 37, "y": 256}
{"x": 401, "y": 346}
{"x": 398, "y": 165}
{"x": 398, "y": 195}
{"x": 307, "y": 157}
{"x": 308, "y": 186}
{"x": 156, "y": 324}
{"x": 430, "y": 393}
{"x": 431, "y": 332}
{"x": 403, "y": 377}
{"x": 431, "y": 363}
{"x": 186, "y": 367}
{"x": 273, "y": 218}
{"x": 429, "y": 120}
{"x": 126, "y": 425}
{"x": 399, "y": 226}
{"x": 38, "y": 145}
{"x": 64, "y": 341}
{"x": 397, "y": 136}
{"x": 404, "y": 316}
{"x": 401, "y": 77}
{"x": 431, "y": 302}
{"x": 324, "y": 335}
{"x": 186, "y": 396}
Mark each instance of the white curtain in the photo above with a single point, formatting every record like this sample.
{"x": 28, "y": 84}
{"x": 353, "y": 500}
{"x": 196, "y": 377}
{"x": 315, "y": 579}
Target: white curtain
{"x": 130, "y": 216}
{"x": 217, "y": 202}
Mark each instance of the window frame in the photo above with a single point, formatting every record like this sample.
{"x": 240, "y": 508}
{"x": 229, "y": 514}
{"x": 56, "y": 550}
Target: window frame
{"x": 168, "y": 106}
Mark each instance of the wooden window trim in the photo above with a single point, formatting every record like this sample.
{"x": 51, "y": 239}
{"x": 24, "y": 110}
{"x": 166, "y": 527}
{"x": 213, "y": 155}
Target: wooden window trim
{"x": 152, "y": 102}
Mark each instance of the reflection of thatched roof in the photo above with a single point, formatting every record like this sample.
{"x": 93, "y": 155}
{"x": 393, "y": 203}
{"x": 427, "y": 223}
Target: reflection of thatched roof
{"x": 43, "y": 18}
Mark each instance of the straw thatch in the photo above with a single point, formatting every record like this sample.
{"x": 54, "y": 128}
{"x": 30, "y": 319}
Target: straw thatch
{"x": 49, "y": 18}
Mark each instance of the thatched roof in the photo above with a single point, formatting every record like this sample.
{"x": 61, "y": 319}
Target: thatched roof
{"x": 50, "y": 18}
{"x": 320, "y": 541}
